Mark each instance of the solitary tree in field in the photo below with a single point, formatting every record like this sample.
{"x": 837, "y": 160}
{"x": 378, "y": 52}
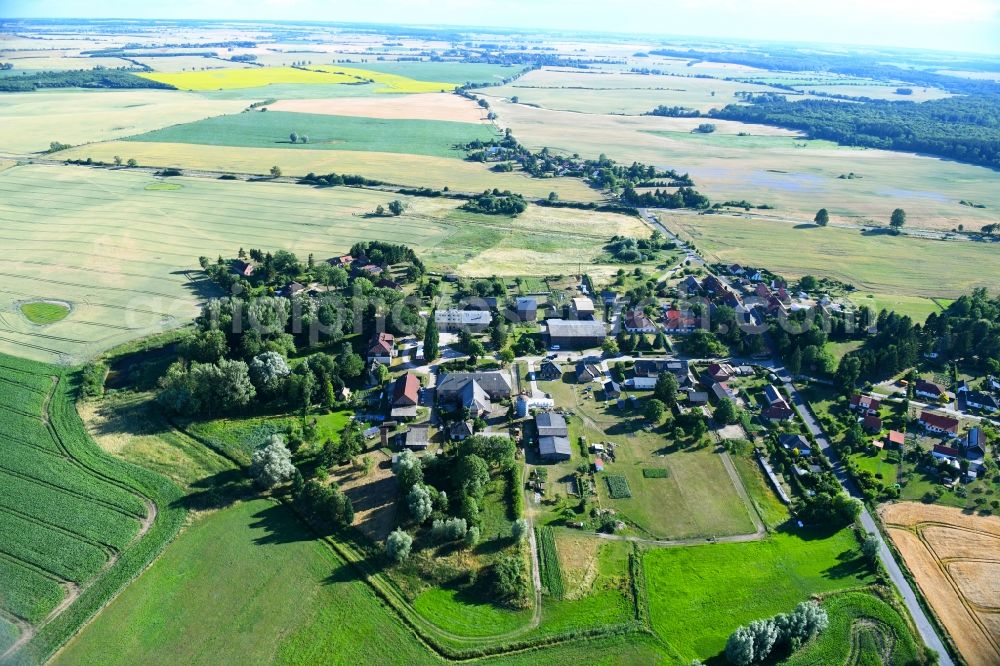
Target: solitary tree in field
{"x": 293, "y": 137}
{"x": 396, "y": 207}
{"x": 131, "y": 163}
{"x": 275, "y": 171}
{"x": 898, "y": 218}
{"x": 822, "y": 217}
{"x": 304, "y": 139}
{"x": 118, "y": 160}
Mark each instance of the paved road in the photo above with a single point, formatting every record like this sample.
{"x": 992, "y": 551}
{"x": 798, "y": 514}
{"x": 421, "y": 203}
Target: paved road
{"x": 924, "y": 625}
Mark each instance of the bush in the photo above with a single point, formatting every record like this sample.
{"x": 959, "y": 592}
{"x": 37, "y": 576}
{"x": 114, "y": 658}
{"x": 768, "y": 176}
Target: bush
{"x": 655, "y": 472}
{"x": 451, "y": 529}
{"x": 398, "y": 545}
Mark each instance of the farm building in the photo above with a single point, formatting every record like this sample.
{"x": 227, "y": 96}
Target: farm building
{"x": 525, "y": 403}
{"x": 473, "y": 321}
{"x": 612, "y": 390}
{"x": 553, "y": 436}
{"x": 641, "y": 383}
{"x": 570, "y": 334}
{"x": 417, "y": 437}
{"x": 474, "y": 391}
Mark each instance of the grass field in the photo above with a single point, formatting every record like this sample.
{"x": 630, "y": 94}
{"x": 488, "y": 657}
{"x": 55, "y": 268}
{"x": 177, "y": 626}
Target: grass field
{"x": 44, "y": 312}
{"x": 769, "y": 507}
{"x": 796, "y": 180}
{"x": 308, "y": 606}
{"x": 30, "y": 121}
{"x": 696, "y": 499}
{"x": 423, "y": 106}
{"x": 953, "y": 557}
{"x": 867, "y": 628}
{"x": 326, "y": 132}
{"x": 396, "y": 168}
{"x": 254, "y": 77}
{"x": 883, "y": 264}
{"x": 916, "y": 308}
{"x": 699, "y": 594}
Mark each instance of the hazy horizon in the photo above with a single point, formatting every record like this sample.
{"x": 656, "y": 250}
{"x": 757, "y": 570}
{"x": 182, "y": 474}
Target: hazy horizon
{"x": 962, "y": 26}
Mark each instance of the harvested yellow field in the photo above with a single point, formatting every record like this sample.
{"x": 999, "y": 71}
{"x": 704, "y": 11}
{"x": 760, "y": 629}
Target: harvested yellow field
{"x": 253, "y": 77}
{"x": 30, "y": 121}
{"x": 393, "y": 83}
{"x": 955, "y": 560}
{"x": 398, "y": 168}
{"x": 419, "y": 106}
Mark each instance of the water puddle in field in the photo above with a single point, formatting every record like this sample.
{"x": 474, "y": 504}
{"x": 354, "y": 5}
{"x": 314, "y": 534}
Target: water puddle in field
{"x": 913, "y": 194}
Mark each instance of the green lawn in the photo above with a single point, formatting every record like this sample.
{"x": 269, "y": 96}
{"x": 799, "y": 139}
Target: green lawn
{"x": 448, "y": 609}
{"x": 246, "y": 585}
{"x": 772, "y": 511}
{"x": 325, "y": 132}
{"x": 874, "y": 623}
{"x": 238, "y": 437}
{"x": 698, "y": 595}
{"x": 41, "y": 312}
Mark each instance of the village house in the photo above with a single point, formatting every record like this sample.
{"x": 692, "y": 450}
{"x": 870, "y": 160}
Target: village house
{"x": 548, "y": 371}
{"x": 654, "y": 367}
{"x": 526, "y": 308}
{"x": 678, "y": 322}
{"x": 777, "y": 407}
{"x": 343, "y": 261}
{"x": 896, "y": 439}
{"x": 371, "y": 271}
{"x": 927, "y": 389}
{"x": 553, "y": 437}
{"x": 980, "y": 400}
{"x": 525, "y": 403}
{"x": 460, "y": 430}
{"x": 940, "y": 423}
{"x": 872, "y": 423}
{"x": 793, "y": 442}
{"x": 865, "y": 404}
{"x": 382, "y": 349}
{"x": 453, "y": 321}
{"x": 719, "y": 372}
{"x": 612, "y": 390}
{"x": 570, "y": 334}
{"x": 689, "y": 285}
{"x": 583, "y": 307}
{"x": 474, "y": 391}
{"x": 636, "y": 321}
{"x": 587, "y": 372}
{"x": 723, "y": 391}
{"x": 244, "y": 268}
{"x": 405, "y": 396}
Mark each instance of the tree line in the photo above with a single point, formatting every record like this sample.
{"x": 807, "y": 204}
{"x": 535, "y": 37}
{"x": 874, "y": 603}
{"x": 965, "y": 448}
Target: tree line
{"x": 84, "y": 78}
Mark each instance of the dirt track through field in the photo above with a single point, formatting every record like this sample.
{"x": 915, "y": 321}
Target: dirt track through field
{"x": 954, "y": 557}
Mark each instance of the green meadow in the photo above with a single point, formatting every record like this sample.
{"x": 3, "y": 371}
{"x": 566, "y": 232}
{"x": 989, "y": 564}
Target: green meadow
{"x": 271, "y": 129}
{"x": 699, "y": 595}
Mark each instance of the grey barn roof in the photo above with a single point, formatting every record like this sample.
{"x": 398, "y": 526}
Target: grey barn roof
{"x": 570, "y": 328}
{"x": 550, "y": 423}
{"x": 553, "y": 446}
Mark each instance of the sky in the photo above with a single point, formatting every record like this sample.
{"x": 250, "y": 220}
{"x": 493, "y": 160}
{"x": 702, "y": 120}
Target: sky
{"x": 952, "y": 25}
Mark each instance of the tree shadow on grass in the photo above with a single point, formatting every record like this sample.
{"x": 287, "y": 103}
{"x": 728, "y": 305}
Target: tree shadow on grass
{"x": 281, "y": 526}
{"x": 216, "y": 491}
